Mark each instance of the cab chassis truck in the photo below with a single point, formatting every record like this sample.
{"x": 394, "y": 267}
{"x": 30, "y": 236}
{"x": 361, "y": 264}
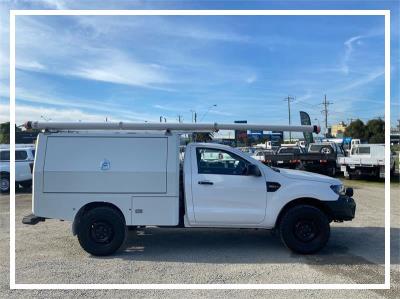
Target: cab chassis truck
{"x": 107, "y": 177}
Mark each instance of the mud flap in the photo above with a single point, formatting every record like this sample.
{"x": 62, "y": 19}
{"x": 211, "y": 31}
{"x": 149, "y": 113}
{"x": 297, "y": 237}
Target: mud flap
{"x": 31, "y": 219}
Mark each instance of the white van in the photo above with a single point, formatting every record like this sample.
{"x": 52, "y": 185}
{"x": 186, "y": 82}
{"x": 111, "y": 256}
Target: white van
{"x": 106, "y": 181}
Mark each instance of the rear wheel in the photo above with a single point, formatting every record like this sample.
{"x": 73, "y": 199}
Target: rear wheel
{"x": 331, "y": 171}
{"x": 102, "y": 231}
{"x": 26, "y": 185}
{"x": 4, "y": 183}
{"x": 304, "y": 229}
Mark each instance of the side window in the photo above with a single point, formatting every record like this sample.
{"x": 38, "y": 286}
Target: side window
{"x": 21, "y": 155}
{"x": 5, "y": 155}
{"x": 215, "y": 161}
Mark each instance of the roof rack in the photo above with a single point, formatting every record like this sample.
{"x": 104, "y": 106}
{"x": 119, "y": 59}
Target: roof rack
{"x": 183, "y": 127}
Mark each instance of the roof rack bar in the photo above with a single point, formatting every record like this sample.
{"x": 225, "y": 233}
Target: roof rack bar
{"x": 164, "y": 126}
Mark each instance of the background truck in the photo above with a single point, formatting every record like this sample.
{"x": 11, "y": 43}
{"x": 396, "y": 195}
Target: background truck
{"x": 366, "y": 159}
{"x": 323, "y": 158}
{"x": 105, "y": 182}
{"x": 24, "y": 156}
{"x": 319, "y": 158}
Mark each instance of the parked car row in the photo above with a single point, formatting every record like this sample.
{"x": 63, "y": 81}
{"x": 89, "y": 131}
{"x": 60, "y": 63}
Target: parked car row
{"x": 328, "y": 158}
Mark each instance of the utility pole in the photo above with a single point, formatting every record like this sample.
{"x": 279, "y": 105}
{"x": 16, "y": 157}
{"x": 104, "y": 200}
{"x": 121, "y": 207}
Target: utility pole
{"x": 180, "y": 118}
{"x": 194, "y": 116}
{"x": 326, "y": 103}
{"x": 289, "y": 99}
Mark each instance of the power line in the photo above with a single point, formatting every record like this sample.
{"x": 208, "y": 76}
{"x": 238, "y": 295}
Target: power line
{"x": 289, "y": 99}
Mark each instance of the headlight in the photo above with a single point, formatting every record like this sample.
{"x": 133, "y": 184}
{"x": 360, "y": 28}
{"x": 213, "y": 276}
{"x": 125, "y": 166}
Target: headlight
{"x": 339, "y": 189}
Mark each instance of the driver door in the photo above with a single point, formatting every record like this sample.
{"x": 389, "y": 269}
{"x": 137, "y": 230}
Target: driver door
{"x": 222, "y": 192}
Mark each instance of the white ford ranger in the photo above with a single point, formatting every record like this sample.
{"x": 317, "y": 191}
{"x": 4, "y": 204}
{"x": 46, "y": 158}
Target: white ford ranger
{"x": 105, "y": 182}
{"x": 24, "y": 156}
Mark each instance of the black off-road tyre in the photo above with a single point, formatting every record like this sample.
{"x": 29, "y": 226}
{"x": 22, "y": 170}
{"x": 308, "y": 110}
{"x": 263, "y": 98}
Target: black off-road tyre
{"x": 5, "y": 183}
{"x": 304, "y": 229}
{"x": 102, "y": 231}
{"x": 331, "y": 171}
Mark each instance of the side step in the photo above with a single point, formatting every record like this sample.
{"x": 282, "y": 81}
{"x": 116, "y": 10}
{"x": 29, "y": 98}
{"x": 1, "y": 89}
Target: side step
{"x": 31, "y": 219}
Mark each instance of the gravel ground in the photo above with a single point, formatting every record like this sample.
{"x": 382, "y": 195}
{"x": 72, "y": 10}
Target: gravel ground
{"x": 48, "y": 253}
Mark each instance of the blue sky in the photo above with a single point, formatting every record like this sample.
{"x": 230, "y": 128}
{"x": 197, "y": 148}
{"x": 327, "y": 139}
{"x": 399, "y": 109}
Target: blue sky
{"x": 138, "y": 68}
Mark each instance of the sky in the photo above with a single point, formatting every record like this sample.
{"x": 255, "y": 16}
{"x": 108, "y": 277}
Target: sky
{"x": 226, "y": 68}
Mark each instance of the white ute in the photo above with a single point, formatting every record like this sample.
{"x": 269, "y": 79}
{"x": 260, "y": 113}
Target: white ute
{"x": 24, "y": 156}
{"x": 106, "y": 181}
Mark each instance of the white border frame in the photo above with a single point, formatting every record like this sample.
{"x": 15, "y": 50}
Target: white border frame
{"x": 14, "y": 13}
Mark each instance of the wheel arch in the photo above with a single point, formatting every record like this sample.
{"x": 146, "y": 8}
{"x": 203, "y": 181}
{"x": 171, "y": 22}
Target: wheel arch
{"x": 89, "y": 206}
{"x": 304, "y": 201}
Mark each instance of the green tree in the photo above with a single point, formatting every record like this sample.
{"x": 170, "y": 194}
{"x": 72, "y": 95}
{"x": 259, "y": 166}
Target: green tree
{"x": 5, "y": 132}
{"x": 356, "y": 129}
{"x": 203, "y": 136}
{"x": 375, "y": 130}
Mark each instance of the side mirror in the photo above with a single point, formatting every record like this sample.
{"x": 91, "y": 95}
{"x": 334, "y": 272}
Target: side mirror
{"x": 253, "y": 170}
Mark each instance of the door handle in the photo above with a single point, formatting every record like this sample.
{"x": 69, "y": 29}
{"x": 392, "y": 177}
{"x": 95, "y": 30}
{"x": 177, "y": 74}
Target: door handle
{"x": 205, "y": 183}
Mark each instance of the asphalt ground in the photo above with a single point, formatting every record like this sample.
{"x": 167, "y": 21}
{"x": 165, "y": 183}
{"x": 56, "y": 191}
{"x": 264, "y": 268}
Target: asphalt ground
{"x": 48, "y": 253}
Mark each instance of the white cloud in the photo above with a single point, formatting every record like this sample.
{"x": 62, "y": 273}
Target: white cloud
{"x": 222, "y": 113}
{"x": 24, "y": 113}
{"x": 251, "y": 79}
{"x": 362, "y": 80}
{"x": 57, "y": 4}
{"x": 348, "y": 51}
{"x": 350, "y": 44}
{"x": 121, "y": 70}
{"x": 162, "y": 107}
{"x": 30, "y": 65}
{"x": 42, "y": 48}
{"x": 28, "y": 112}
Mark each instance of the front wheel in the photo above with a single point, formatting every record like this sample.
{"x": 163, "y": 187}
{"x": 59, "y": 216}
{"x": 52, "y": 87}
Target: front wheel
{"x": 4, "y": 183}
{"x": 304, "y": 229}
{"x": 102, "y": 231}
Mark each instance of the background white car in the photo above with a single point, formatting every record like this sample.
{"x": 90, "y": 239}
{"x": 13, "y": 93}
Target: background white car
{"x": 24, "y": 157}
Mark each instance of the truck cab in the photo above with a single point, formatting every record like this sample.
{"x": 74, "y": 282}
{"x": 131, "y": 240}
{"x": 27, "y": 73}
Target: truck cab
{"x": 105, "y": 182}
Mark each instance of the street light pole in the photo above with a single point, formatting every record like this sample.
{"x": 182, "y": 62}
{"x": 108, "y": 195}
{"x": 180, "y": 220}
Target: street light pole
{"x": 208, "y": 110}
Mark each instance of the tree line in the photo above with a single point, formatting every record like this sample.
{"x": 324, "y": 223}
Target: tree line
{"x": 372, "y": 132}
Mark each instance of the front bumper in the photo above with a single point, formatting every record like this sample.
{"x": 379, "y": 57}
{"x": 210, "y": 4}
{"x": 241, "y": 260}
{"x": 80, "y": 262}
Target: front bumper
{"x": 343, "y": 209}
